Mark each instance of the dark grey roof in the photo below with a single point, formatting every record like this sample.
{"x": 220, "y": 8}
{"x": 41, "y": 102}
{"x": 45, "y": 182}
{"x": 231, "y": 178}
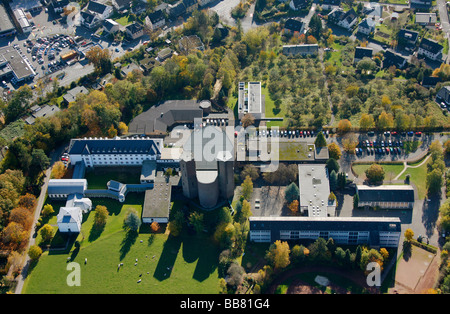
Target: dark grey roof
{"x": 293, "y": 25}
{"x": 363, "y": 52}
{"x": 391, "y": 58}
{"x": 113, "y": 146}
{"x": 87, "y": 17}
{"x": 431, "y": 46}
{"x": 189, "y": 3}
{"x": 429, "y": 81}
{"x": 390, "y": 193}
{"x": 123, "y": 3}
{"x": 408, "y": 35}
{"x": 331, "y": 2}
{"x": 96, "y": 7}
{"x": 156, "y": 16}
{"x": 300, "y": 4}
{"x": 160, "y": 118}
{"x": 134, "y": 27}
{"x": 177, "y": 10}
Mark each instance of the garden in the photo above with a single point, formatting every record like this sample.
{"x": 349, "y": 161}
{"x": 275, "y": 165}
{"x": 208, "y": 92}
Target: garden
{"x": 114, "y": 261}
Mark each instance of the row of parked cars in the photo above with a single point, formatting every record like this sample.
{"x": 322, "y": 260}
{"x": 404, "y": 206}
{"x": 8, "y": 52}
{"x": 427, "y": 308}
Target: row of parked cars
{"x": 285, "y": 133}
{"x": 380, "y": 147}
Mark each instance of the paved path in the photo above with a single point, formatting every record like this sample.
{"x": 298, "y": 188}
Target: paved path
{"x": 405, "y": 163}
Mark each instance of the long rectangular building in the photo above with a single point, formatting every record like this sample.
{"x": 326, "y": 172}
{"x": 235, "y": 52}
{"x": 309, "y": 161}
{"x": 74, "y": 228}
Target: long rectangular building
{"x": 373, "y": 231}
{"x": 114, "y": 151}
{"x": 386, "y": 196}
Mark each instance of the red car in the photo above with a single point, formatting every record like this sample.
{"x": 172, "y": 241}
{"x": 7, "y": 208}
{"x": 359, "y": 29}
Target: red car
{"x": 418, "y": 133}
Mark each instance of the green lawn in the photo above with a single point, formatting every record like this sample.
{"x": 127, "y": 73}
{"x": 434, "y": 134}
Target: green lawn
{"x": 390, "y": 170}
{"x": 166, "y": 265}
{"x": 271, "y": 111}
{"x": 418, "y": 176}
{"x": 99, "y": 177}
{"x": 293, "y": 151}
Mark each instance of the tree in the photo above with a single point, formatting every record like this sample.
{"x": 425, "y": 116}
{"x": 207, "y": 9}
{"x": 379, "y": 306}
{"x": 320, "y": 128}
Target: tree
{"x": 47, "y": 210}
{"x": 244, "y": 211}
{"x": 100, "y": 58}
{"x": 344, "y": 126}
{"x": 315, "y": 26}
{"x": 291, "y": 193}
{"x": 366, "y": 65}
{"x": 385, "y": 121}
{"x": 175, "y": 225}
{"x": 197, "y": 221}
{"x": 294, "y": 207}
{"x": 46, "y": 233}
{"x": 235, "y": 274}
{"x": 250, "y": 170}
{"x": 123, "y": 128}
{"x": 375, "y": 173}
{"x": 58, "y": 170}
{"x": 34, "y": 252}
{"x": 434, "y": 181}
{"x": 318, "y": 251}
{"x": 247, "y": 120}
{"x": 332, "y": 165}
{"x": 333, "y": 181}
{"x": 409, "y": 234}
{"x": 334, "y": 151}
{"x": 27, "y": 201}
{"x": 21, "y": 216}
{"x": 155, "y": 226}
{"x": 40, "y": 161}
{"x": 13, "y": 235}
{"x": 320, "y": 140}
{"x": 278, "y": 254}
{"x": 366, "y": 122}
{"x": 132, "y": 222}
{"x": 247, "y": 187}
{"x": 101, "y": 215}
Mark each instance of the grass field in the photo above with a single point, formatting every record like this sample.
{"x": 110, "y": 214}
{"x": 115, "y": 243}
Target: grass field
{"x": 391, "y": 171}
{"x": 292, "y": 151}
{"x": 99, "y": 177}
{"x": 166, "y": 265}
{"x": 418, "y": 177}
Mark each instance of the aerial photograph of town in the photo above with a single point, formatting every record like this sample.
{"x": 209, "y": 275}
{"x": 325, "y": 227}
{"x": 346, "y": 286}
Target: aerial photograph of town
{"x": 230, "y": 149}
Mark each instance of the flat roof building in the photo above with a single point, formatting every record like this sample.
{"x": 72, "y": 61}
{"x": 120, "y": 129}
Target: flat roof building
{"x": 314, "y": 189}
{"x": 386, "y": 196}
{"x": 250, "y": 100}
{"x": 373, "y": 231}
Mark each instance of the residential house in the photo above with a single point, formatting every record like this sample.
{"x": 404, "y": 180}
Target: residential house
{"x": 134, "y": 30}
{"x": 164, "y": 54}
{"x": 121, "y": 5}
{"x": 421, "y": 4}
{"x": 361, "y": 53}
{"x": 95, "y": 13}
{"x": 111, "y": 26}
{"x": 430, "y": 49}
{"x": 292, "y": 26}
{"x": 138, "y": 7}
{"x": 130, "y": 68}
{"x": 407, "y": 38}
{"x": 426, "y": 19}
{"x": 72, "y": 94}
{"x": 430, "y": 81}
{"x": 190, "y": 5}
{"x": 366, "y": 27}
{"x": 443, "y": 96}
{"x": 58, "y": 5}
{"x": 386, "y": 196}
{"x": 191, "y": 43}
{"x": 394, "y": 59}
{"x": 42, "y": 112}
{"x": 301, "y": 50}
{"x": 343, "y": 19}
{"x": 176, "y": 10}
{"x": 147, "y": 64}
{"x": 69, "y": 219}
{"x": 373, "y": 10}
{"x": 329, "y": 5}
{"x": 297, "y": 5}
{"x": 155, "y": 20}
{"x": 204, "y": 2}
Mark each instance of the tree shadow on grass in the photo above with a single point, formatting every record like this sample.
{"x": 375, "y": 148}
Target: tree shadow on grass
{"x": 127, "y": 243}
{"x": 167, "y": 258}
{"x": 95, "y": 233}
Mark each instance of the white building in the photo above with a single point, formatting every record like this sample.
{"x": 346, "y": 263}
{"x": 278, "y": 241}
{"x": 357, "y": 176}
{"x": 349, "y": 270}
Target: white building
{"x": 114, "y": 152}
{"x": 69, "y": 219}
{"x": 62, "y": 188}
